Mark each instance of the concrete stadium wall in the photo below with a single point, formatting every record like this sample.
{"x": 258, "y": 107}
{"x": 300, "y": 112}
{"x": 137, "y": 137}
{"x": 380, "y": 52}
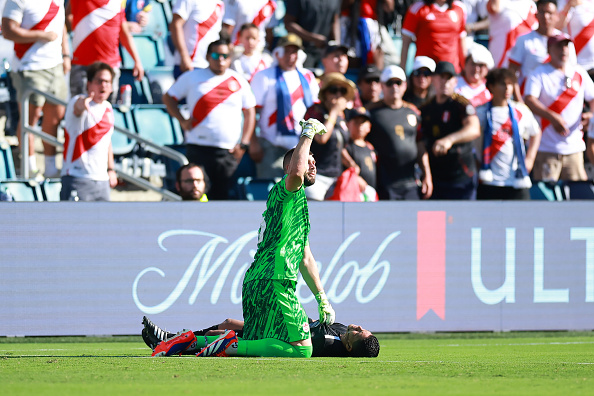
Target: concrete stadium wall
{"x": 74, "y": 268}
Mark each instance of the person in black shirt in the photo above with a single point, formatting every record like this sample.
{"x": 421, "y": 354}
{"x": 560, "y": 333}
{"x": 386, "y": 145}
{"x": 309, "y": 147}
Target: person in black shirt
{"x": 394, "y": 125}
{"x": 336, "y": 340}
{"x": 449, "y": 125}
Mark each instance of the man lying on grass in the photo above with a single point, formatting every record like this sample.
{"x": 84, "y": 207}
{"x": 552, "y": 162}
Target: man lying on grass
{"x": 336, "y": 340}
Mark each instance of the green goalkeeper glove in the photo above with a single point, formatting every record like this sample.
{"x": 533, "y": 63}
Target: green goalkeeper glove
{"x": 327, "y": 314}
{"x": 312, "y": 127}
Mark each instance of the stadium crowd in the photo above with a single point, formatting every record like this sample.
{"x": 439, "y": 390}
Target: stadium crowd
{"x": 449, "y": 115}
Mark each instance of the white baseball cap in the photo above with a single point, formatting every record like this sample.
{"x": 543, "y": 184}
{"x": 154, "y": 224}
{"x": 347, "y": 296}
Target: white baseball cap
{"x": 481, "y": 55}
{"x": 391, "y": 72}
{"x": 424, "y": 61}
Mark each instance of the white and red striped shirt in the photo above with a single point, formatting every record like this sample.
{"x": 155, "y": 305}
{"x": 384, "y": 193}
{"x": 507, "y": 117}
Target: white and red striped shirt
{"x": 248, "y": 66}
{"x": 258, "y": 12}
{"x": 517, "y": 17}
{"x": 580, "y": 27}
{"x": 203, "y": 22}
{"x": 87, "y": 141}
{"x": 531, "y": 51}
{"x": 264, "y": 87}
{"x": 216, "y": 103}
{"x": 477, "y": 96}
{"x": 549, "y": 85}
{"x": 504, "y": 161}
{"x": 46, "y": 15}
{"x": 96, "y": 26}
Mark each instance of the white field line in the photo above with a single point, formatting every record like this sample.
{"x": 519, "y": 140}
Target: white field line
{"x": 520, "y": 344}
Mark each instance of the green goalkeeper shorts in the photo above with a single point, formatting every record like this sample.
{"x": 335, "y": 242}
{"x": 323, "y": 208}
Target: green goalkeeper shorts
{"x": 271, "y": 310}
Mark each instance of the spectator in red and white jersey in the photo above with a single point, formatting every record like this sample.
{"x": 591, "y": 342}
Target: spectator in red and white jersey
{"x": 88, "y": 170}
{"x": 214, "y": 134}
{"x": 195, "y": 24}
{"x": 98, "y": 27}
{"x": 531, "y": 50}
{"x": 472, "y": 84}
{"x": 41, "y": 60}
{"x": 508, "y": 20}
{"x": 506, "y": 127}
{"x": 249, "y": 57}
{"x": 257, "y": 12}
{"x": 283, "y": 94}
{"x": 578, "y": 17}
{"x": 438, "y": 28}
{"x": 555, "y": 92}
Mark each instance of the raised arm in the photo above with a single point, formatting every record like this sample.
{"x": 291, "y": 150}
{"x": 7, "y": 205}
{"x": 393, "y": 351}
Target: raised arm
{"x": 300, "y": 161}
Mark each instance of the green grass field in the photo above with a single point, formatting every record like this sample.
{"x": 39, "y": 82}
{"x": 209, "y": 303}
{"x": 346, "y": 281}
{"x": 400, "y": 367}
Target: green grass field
{"x": 555, "y": 363}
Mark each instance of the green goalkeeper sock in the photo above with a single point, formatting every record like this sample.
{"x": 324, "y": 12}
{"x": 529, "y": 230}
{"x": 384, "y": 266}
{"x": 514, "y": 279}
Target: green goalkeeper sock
{"x": 271, "y": 347}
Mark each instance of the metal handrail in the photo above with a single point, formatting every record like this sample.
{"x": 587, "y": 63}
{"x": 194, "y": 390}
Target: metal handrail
{"x": 26, "y": 129}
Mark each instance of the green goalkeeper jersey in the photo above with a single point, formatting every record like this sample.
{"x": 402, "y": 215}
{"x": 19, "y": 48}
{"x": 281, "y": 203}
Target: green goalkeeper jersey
{"x": 282, "y": 236}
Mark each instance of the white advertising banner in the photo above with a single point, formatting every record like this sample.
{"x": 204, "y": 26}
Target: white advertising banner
{"x": 74, "y": 268}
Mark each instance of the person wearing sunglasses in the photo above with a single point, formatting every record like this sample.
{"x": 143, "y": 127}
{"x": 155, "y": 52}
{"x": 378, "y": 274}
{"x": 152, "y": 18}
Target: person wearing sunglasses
{"x": 217, "y": 97}
{"x": 370, "y": 89}
{"x": 394, "y": 125}
{"x": 419, "y": 88}
{"x": 335, "y": 93}
{"x": 449, "y": 126}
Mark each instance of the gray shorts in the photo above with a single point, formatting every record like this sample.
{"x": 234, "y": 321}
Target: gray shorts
{"x": 50, "y": 80}
{"x": 86, "y": 189}
{"x": 78, "y": 81}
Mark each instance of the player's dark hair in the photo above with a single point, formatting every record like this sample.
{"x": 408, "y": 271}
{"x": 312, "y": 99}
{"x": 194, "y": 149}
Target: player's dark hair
{"x": 500, "y": 75}
{"x": 366, "y": 347}
{"x": 96, "y": 67}
{"x": 216, "y": 43}
{"x": 193, "y": 165}
{"x": 545, "y": 2}
{"x": 246, "y": 26}
{"x": 288, "y": 156}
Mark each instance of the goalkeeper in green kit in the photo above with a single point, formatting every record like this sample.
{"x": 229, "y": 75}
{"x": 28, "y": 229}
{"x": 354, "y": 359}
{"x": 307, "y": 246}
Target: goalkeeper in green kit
{"x": 275, "y": 322}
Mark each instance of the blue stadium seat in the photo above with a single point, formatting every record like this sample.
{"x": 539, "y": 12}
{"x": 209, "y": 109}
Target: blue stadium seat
{"x": 141, "y": 91}
{"x": 412, "y": 50}
{"x": 7, "y": 170}
{"x": 150, "y": 51}
{"x": 579, "y": 190}
{"x": 255, "y": 189}
{"x": 546, "y": 191}
{"x": 160, "y": 80}
{"x": 171, "y": 167}
{"x": 159, "y": 19}
{"x": 22, "y": 190}
{"x": 50, "y": 189}
{"x": 154, "y": 123}
{"x": 122, "y": 144}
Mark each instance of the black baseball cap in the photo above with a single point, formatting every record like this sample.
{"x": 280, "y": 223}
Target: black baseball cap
{"x": 445, "y": 67}
{"x": 357, "y": 112}
{"x": 369, "y": 72}
{"x": 335, "y": 46}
